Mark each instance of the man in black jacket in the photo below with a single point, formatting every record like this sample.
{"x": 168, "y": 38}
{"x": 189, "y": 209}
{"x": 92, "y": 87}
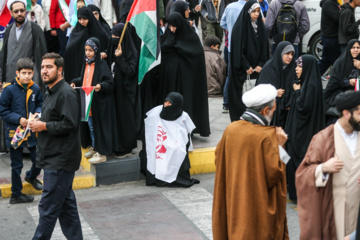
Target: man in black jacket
{"x": 348, "y": 27}
{"x": 329, "y": 33}
{"x": 59, "y": 151}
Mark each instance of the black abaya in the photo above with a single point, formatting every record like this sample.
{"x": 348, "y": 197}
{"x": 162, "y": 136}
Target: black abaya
{"x": 74, "y": 51}
{"x": 306, "y": 118}
{"x": 274, "y": 73}
{"x": 182, "y": 70}
{"x": 127, "y": 95}
{"x": 341, "y": 70}
{"x": 102, "y": 21}
{"x": 102, "y": 108}
{"x": 248, "y": 49}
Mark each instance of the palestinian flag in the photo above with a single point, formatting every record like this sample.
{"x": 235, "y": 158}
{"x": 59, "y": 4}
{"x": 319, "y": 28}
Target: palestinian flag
{"x": 143, "y": 15}
{"x": 86, "y": 95}
{"x": 64, "y": 10}
{"x": 5, "y": 15}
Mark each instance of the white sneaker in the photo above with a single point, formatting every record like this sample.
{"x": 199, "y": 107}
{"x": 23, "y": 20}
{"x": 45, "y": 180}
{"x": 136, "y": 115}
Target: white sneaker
{"x": 89, "y": 153}
{"x": 97, "y": 158}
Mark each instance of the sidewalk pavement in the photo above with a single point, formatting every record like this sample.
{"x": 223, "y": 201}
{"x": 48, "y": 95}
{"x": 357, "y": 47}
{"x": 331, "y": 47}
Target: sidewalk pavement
{"x": 202, "y": 158}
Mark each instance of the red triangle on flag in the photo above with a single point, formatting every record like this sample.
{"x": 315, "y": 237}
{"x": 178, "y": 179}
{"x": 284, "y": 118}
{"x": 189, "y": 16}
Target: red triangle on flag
{"x": 87, "y": 90}
{"x": 5, "y": 17}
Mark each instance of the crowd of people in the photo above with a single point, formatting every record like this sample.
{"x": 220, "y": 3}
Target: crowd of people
{"x": 287, "y": 135}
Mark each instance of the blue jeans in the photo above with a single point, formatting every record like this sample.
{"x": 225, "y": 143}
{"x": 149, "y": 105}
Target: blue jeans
{"x": 91, "y": 127}
{"x": 16, "y": 156}
{"x": 226, "y": 88}
{"x": 62, "y": 41}
{"x": 331, "y": 52}
{"x": 58, "y": 202}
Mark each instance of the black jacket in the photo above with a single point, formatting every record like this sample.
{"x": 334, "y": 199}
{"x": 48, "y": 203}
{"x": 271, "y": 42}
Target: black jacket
{"x": 329, "y": 18}
{"x": 348, "y": 27}
{"x": 59, "y": 147}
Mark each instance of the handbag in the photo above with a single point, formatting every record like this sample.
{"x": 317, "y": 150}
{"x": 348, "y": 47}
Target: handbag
{"x": 248, "y": 84}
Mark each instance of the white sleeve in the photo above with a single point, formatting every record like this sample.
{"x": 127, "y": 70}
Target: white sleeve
{"x": 320, "y": 178}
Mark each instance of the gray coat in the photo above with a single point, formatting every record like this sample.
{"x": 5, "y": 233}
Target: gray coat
{"x": 208, "y": 11}
{"x": 301, "y": 16}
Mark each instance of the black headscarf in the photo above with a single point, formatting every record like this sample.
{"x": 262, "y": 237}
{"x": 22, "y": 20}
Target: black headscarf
{"x": 248, "y": 49}
{"x": 183, "y": 70}
{"x": 102, "y": 21}
{"x": 180, "y": 7}
{"x": 174, "y": 111}
{"x": 341, "y": 70}
{"x": 74, "y": 51}
{"x": 274, "y": 73}
{"x": 125, "y": 7}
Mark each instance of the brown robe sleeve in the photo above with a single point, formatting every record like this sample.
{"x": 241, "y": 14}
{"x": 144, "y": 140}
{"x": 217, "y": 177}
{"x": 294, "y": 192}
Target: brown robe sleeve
{"x": 315, "y": 204}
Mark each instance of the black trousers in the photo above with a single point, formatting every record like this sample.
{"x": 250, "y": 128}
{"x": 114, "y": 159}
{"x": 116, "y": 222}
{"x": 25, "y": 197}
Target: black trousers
{"x": 331, "y": 52}
{"x": 58, "y": 202}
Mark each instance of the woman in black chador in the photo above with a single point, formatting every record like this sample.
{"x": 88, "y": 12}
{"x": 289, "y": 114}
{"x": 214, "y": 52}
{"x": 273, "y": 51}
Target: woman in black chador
{"x": 167, "y": 129}
{"x": 306, "y": 116}
{"x": 249, "y": 53}
{"x": 86, "y": 27}
{"x": 279, "y": 71}
{"x": 182, "y": 70}
{"x": 342, "y": 77}
{"x": 100, "y": 18}
{"x": 127, "y": 96}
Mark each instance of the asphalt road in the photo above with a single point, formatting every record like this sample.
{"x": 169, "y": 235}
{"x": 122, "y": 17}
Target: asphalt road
{"x": 132, "y": 211}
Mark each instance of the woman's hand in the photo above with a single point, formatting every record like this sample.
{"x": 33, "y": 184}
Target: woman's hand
{"x": 296, "y": 86}
{"x": 103, "y": 55}
{"x": 72, "y": 85}
{"x": 257, "y": 69}
{"x": 118, "y": 51}
{"x": 280, "y": 92}
{"x": 97, "y": 87}
{"x": 249, "y": 71}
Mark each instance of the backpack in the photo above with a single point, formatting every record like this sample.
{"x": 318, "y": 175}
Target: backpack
{"x": 285, "y": 27}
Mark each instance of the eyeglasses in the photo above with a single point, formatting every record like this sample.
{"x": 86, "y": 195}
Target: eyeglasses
{"x": 19, "y": 10}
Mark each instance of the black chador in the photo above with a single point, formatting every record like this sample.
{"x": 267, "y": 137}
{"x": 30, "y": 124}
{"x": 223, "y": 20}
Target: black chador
{"x": 281, "y": 76}
{"x": 249, "y": 48}
{"x": 126, "y": 89}
{"x": 183, "y": 70}
{"x": 306, "y": 117}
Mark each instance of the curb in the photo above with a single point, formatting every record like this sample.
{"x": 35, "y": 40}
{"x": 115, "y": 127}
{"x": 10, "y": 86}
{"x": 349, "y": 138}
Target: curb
{"x": 80, "y": 181}
{"x": 202, "y": 160}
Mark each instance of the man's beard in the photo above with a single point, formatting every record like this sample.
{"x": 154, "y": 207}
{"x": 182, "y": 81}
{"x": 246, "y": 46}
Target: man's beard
{"x": 20, "y": 21}
{"x": 269, "y": 117}
{"x": 50, "y": 80}
{"x": 354, "y": 124}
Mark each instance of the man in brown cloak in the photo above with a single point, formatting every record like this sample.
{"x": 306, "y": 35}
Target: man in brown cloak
{"x": 327, "y": 179}
{"x": 250, "y": 183}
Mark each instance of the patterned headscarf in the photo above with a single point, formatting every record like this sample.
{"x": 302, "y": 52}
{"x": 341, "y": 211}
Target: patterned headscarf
{"x": 299, "y": 62}
{"x": 90, "y": 43}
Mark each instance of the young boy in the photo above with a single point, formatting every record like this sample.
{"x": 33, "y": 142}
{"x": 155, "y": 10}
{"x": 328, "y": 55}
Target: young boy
{"x": 215, "y": 66}
{"x": 18, "y": 99}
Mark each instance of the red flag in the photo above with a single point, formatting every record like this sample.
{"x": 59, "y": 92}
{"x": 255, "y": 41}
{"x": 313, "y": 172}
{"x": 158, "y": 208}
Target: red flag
{"x": 5, "y": 15}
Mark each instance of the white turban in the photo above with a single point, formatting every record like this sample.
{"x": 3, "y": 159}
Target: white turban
{"x": 259, "y": 95}
{"x": 10, "y": 2}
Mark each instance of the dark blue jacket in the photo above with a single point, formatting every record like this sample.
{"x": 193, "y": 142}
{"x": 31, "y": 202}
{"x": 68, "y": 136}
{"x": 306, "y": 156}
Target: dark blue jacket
{"x": 16, "y": 102}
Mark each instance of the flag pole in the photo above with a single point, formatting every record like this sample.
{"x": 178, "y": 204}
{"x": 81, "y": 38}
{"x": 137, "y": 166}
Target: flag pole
{"x": 122, "y": 35}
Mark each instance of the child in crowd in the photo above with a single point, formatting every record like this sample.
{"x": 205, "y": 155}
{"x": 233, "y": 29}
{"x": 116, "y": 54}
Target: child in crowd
{"x": 102, "y": 119}
{"x": 18, "y": 99}
{"x": 36, "y": 14}
{"x": 215, "y": 66}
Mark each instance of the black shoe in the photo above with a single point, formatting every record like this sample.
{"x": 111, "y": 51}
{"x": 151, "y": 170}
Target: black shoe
{"x": 22, "y": 198}
{"x": 225, "y": 108}
{"x": 35, "y": 183}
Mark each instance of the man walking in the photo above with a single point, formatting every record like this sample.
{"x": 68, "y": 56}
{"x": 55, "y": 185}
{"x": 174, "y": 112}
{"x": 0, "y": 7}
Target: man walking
{"x": 59, "y": 151}
{"x": 327, "y": 179}
{"x": 250, "y": 182}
